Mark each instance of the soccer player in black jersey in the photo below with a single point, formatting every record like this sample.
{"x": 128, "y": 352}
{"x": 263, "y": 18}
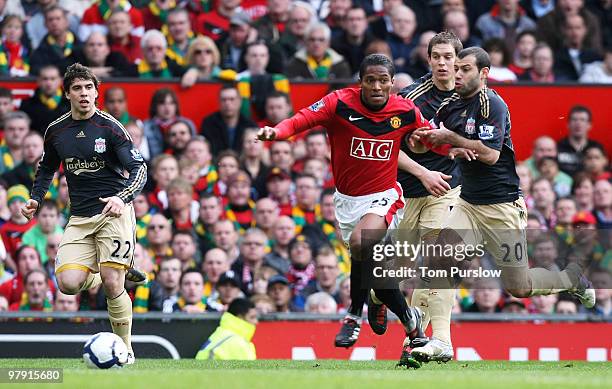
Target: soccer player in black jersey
{"x": 98, "y": 243}
{"x": 491, "y": 210}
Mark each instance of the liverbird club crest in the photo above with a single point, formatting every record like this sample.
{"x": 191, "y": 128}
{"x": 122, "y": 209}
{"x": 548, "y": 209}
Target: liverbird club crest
{"x": 100, "y": 145}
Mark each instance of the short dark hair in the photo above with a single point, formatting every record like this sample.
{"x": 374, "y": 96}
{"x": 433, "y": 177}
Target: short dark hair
{"x": 158, "y": 98}
{"x": 77, "y": 71}
{"x": 356, "y": 8}
{"x": 526, "y": 32}
{"x": 578, "y": 109}
{"x": 482, "y": 57}
{"x": 327, "y": 192}
{"x": 277, "y": 94}
{"x": 443, "y": 38}
{"x": 240, "y": 306}
{"x": 498, "y": 44}
{"x": 258, "y": 42}
{"x": 312, "y": 133}
{"x": 50, "y": 204}
{"x": 189, "y": 271}
{"x": 376, "y": 60}
{"x": 112, "y": 89}
{"x": 53, "y": 8}
{"x": 5, "y": 93}
{"x": 26, "y": 277}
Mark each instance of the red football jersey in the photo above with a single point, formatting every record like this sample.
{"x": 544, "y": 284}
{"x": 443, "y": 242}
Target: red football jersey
{"x": 365, "y": 144}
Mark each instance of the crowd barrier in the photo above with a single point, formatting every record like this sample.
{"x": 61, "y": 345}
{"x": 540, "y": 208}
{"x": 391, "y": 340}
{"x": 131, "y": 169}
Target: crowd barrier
{"x": 309, "y": 337}
{"x": 535, "y": 109}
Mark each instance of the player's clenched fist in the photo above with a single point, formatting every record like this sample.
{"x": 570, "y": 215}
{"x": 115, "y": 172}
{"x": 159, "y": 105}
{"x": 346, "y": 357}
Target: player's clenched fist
{"x": 114, "y": 206}
{"x": 29, "y": 209}
{"x": 266, "y": 133}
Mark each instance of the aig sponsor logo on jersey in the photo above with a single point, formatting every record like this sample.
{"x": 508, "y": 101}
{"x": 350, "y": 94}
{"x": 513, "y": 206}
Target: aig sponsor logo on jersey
{"x": 372, "y": 149}
{"x": 470, "y": 126}
{"x": 77, "y": 166}
{"x": 486, "y": 132}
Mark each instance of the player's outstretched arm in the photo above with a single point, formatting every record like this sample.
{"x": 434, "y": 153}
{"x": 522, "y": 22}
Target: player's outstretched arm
{"x": 433, "y": 181}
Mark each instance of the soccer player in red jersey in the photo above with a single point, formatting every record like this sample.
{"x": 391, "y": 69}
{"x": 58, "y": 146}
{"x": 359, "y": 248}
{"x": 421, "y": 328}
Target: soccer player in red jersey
{"x": 365, "y": 126}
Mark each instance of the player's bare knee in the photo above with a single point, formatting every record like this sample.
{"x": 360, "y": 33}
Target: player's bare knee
{"x": 113, "y": 280}
{"x": 70, "y": 287}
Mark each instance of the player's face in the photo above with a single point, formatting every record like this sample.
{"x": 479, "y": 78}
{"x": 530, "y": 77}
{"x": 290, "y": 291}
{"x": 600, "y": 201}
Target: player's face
{"x": 442, "y": 62}
{"x": 467, "y": 76}
{"x": 82, "y": 95}
{"x": 376, "y": 85}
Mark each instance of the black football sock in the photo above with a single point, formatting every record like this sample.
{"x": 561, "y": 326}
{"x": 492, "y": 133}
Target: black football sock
{"x": 395, "y": 301}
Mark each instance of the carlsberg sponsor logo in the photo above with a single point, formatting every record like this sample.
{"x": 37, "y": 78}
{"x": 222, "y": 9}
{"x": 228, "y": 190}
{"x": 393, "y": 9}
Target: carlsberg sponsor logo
{"x": 77, "y": 166}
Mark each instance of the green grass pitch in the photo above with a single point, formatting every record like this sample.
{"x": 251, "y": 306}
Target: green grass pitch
{"x": 169, "y": 374}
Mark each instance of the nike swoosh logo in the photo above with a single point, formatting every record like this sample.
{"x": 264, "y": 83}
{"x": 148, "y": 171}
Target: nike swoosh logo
{"x": 352, "y": 119}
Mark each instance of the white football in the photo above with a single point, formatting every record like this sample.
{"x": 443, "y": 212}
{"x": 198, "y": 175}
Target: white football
{"x": 105, "y": 350}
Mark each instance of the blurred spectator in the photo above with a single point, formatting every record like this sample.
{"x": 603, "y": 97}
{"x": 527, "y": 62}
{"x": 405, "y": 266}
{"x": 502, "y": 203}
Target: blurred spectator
{"x": 602, "y": 9}
{"x": 13, "y": 8}
{"x": 302, "y": 269}
{"x": 252, "y": 253}
{"x": 216, "y": 23}
{"x": 53, "y": 243}
{"x": 280, "y": 293}
{"x": 543, "y": 304}
{"x": 602, "y": 203}
{"x": 232, "y": 339}
{"x": 565, "y": 210}
{"x": 573, "y": 56}
{"x": 155, "y": 15}
{"x": 35, "y": 27}
{"x": 487, "y": 294}
{"x": 550, "y": 26}
{"x": 27, "y": 259}
{"x": 121, "y": 39}
{"x": 180, "y": 35}
{"x": 379, "y": 47}
{"x": 543, "y": 66}
{"x": 184, "y": 248}
{"x": 240, "y": 208}
{"x": 336, "y": 18}
{"x": 232, "y": 48}
{"x": 418, "y": 65}
{"x": 48, "y": 218}
{"x": 3, "y": 304}
{"x": 301, "y": 17}
{"x": 255, "y": 84}
{"x": 281, "y": 155}
{"x": 65, "y": 302}
{"x": 99, "y": 13}
{"x": 514, "y": 305}
{"x": 263, "y": 303}
{"x": 177, "y": 137}
{"x": 36, "y": 296}
{"x": 115, "y": 103}
{"x": 402, "y": 80}
{"x": 58, "y": 46}
{"x": 500, "y": 59}
{"x": 159, "y": 236}
{"x": 344, "y": 294}
{"x": 282, "y": 234}
{"x": 266, "y": 216}
{"x": 571, "y": 148}
{"x": 307, "y": 194}
{"x": 599, "y": 72}
{"x": 596, "y": 162}
{"x": 566, "y": 305}
{"x": 354, "y": 38}
{"x": 165, "y": 169}
{"x": 32, "y": 150}
{"x": 198, "y": 151}
{"x": 228, "y": 289}
{"x": 326, "y": 276}
{"x": 48, "y": 102}
{"x": 544, "y": 200}
{"x": 278, "y": 185}
{"x": 317, "y": 147}
{"x": 456, "y": 21}
{"x": 271, "y": 25}
{"x": 96, "y": 55}
{"x": 203, "y": 59}
{"x": 321, "y": 303}
{"x": 525, "y": 180}
{"x": 602, "y": 282}
{"x": 168, "y": 281}
{"x": 15, "y": 54}
{"x": 12, "y": 231}
{"x": 253, "y": 154}
{"x": 6, "y": 104}
{"x": 224, "y": 129}
{"x": 228, "y": 164}
{"x": 163, "y": 112}
{"x": 226, "y": 238}
{"x": 143, "y": 217}
{"x": 155, "y": 62}
{"x": 317, "y": 60}
{"x": 535, "y": 9}
{"x": 505, "y": 21}
{"x": 403, "y": 40}
{"x": 522, "y": 58}
{"x": 583, "y": 192}
{"x": 191, "y": 291}
{"x": 214, "y": 265}
{"x": 545, "y": 252}
{"x": 209, "y": 213}
{"x": 382, "y": 26}
{"x": 548, "y": 167}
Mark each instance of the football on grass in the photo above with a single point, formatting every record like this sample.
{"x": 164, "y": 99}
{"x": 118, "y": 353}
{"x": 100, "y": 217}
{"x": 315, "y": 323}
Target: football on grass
{"x": 105, "y": 350}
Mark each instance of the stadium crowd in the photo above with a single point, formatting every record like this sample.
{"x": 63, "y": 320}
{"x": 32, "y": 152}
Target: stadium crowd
{"x": 224, "y": 215}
